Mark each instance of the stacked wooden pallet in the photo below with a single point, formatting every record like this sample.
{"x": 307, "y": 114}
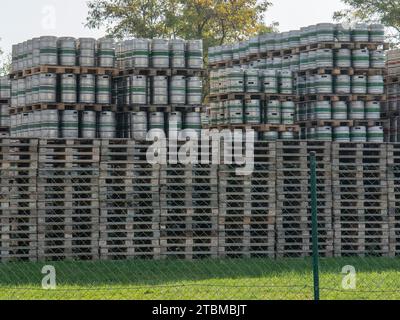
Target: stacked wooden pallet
{"x": 360, "y": 199}
{"x": 189, "y": 208}
{"x": 68, "y": 199}
{"x": 18, "y": 212}
{"x": 392, "y": 107}
{"x": 324, "y": 195}
{"x": 247, "y": 207}
{"x": 129, "y": 197}
{"x": 294, "y": 223}
{"x": 90, "y": 199}
{"x": 393, "y": 62}
{"x": 5, "y": 112}
{"x": 393, "y": 171}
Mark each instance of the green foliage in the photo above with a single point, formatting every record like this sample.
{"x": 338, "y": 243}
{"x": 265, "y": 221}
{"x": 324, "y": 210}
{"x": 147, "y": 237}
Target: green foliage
{"x": 214, "y": 21}
{"x": 5, "y": 63}
{"x": 386, "y": 12}
{"x": 142, "y": 18}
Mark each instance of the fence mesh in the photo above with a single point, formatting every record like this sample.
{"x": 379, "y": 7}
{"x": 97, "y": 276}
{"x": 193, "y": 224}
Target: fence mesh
{"x": 96, "y": 220}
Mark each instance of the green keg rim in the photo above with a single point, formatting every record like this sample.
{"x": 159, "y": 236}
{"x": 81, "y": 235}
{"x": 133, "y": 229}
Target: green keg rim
{"x": 49, "y": 50}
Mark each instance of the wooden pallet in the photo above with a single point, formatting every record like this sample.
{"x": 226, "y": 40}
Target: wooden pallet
{"x": 293, "y": 198}
{"x": 337, "y": 71}
{"x": 129, "y": 152}
{"x": 297, "y": 231}
{"x": 124, "y": 235}
{"x": 359, "y": 238}
{"x": 342, "y": 97}
{"x": 248, "y": 198}
{"x": 130, "y": 204}
{"x": 251, "y": 96}
{"x": 65, "y": 106}
{"x": 344, "y": 45}
{"x": 237, "y": 96}
{"x": 339, "y": 123}
{"x": 5, "y": 100}
{"x": 192, "y": 248}
{"x": 68, "y": 199}
{"x": 394, "y": 229}
{"x": 14, "y": 111}
{"x": 70, "y": 143}
{"x": 259, "y": 127}
{"x": 158, "y": 108}
{"x": 67, "y": 233}
{"x": 188, "y": 212}
{"x": 282, "y": 52}
{"x": 64, "y": 70}
{"x": 50, "y": 69}
{"x": 18, "y": 236}
{"x": 246, "y": 237}
{"x": 163, "y": 72}
{"x": 392, "y": 79}
{"x": 4, "y": 130}
{"x": 115, "y": 249}
{"x": 99, "y": 71}
{"x": 360, "y": 193}
{"x": 224, "y": 64}
{"x": 369, "y": 155}
{"x": 393, "y": 176}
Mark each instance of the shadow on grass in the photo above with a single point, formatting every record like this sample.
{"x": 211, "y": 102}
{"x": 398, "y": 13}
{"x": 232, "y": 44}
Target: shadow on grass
{"x": 147, "y": 272}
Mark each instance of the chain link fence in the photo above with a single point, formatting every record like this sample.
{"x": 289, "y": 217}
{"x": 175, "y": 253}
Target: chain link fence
{"x": 90, "y": 219}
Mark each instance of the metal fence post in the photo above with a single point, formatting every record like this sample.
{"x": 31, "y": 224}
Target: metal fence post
{"x": 313, "y": 167}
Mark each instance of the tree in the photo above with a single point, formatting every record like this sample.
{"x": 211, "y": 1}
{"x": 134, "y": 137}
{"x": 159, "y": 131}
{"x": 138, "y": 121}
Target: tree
{"x": 386, "y": 12}
{"x": 142, "y": 18}
{"x": 5, "y": 63}
{"x": 214, "y": 21}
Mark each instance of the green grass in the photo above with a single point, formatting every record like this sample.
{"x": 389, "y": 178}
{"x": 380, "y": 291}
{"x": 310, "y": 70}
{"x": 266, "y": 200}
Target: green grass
{"x": 254, "y": 279}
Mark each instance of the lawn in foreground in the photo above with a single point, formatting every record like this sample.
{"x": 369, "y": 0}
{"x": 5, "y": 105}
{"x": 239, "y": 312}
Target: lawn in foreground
{"x": 254, "y": 279}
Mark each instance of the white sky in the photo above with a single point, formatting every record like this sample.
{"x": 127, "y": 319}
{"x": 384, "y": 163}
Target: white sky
{"x": 21, "y": 20}
{"x": 294, "y": 14}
